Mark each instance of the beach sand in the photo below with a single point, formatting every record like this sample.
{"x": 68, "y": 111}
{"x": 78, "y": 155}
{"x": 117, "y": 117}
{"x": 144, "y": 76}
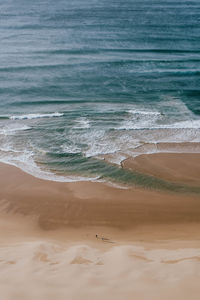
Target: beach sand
{"x": 151, "y": 239}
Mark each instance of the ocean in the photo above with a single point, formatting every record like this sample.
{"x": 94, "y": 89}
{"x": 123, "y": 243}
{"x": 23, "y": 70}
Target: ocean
{"x": 84, "y": 84}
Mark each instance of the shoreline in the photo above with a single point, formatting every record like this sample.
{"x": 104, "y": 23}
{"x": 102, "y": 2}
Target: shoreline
{"x": 117, "y": 159}
{"x": 79, "y": 204}
{"x": 153, "y": 148}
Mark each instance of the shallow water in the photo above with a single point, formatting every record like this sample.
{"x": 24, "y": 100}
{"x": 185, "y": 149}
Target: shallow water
{"x": 81, "y": 79}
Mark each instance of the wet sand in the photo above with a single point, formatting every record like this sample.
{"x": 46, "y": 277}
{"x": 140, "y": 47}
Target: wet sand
{"x": 174, "y": 167}
{"x": 153, "y": 148}
{"x": 48, "y": 246}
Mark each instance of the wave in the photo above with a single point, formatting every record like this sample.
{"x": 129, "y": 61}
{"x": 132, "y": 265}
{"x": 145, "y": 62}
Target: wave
{"x": 36, "y": 116}
{"x": 32, "y": 67}
{"x": 144, "y": 112}
{"x": 86, "y": 51}
{"x": 24, "y": 161}
{"x": 49, "y": 102}
{"x": 147, "y": 124}
{"x": 152, "y": 50}
{"x": 82, "y": 123}
{"x": 4, "y": 118}
{"x": 71, "y": 149}
{"x": 12, "y": 129}
{"x": 191, "y": 124}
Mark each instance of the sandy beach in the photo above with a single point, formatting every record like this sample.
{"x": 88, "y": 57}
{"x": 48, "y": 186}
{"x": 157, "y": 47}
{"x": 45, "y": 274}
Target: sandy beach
{"x": 100, "y": 150}
{"x": 147, "y": 245}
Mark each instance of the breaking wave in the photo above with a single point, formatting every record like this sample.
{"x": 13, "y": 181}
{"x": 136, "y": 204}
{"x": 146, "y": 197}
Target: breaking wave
{"x": 36, "y": 116}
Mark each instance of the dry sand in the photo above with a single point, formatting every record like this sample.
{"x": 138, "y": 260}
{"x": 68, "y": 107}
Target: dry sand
{"x": 48, "y": 247}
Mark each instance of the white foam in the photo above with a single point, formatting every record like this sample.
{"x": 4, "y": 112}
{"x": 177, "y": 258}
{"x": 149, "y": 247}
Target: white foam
{"x": 117, "y": 158}
{"x": 139, "y": 119}
{"x": 151, "y": 124}
{"x": 12, "y": 128}
{"x": 190, "y": 124}
{"x": 147, "y": 123}
{"x": 101, "y": 149}
{"x": 99, "y": 143}
{"x": 72, "y": 148}
{"x": 36, "y": 116}
{"x": 144, "y": 112}
{"x": 82, "y": 123}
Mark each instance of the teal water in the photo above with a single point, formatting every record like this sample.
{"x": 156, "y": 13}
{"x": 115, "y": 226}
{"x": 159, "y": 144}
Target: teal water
{"x": 83, "y": 79}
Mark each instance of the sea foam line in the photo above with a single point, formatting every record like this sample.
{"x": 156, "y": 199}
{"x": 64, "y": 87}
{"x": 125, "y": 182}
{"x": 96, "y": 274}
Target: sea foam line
{"x": 36, "y": 116}
{"x": 144, "y": 112}
{"x": 190, "y": 124}
{"x": 11, "y": 130}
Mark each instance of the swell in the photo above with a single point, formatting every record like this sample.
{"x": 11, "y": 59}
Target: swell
{"x": 85, "y": 51}
{"x": 115, "y": 63}
{"x": 48, "y": 102}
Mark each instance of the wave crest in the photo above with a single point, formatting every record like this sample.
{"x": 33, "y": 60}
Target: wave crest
{"x": 36, "y": 116}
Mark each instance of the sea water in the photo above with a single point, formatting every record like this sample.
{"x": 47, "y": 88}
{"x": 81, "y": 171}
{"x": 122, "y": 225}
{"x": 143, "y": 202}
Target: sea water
{"x": 83, "y": 80}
